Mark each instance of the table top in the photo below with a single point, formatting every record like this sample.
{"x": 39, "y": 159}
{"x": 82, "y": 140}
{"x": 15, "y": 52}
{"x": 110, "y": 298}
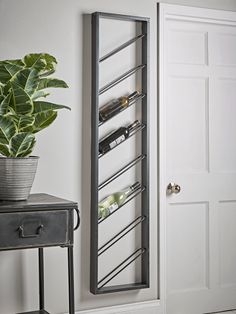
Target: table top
{"x": 35, "y": 202}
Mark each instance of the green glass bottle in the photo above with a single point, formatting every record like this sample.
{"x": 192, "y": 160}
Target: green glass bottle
{"x": 115, "y": 200}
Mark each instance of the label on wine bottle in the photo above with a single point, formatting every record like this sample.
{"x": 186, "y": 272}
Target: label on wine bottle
{"x": 113, "y": 207}
{"x": 117, "y": 141}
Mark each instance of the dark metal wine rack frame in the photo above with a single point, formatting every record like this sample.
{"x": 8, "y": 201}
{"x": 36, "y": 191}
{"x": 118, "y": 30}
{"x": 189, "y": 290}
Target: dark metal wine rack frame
{"x": 99, "y": 286}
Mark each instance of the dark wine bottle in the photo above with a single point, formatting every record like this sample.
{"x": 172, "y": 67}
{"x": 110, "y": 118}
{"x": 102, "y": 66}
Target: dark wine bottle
{"x": 113, "y": 107}
{"x": 116, "y": 137}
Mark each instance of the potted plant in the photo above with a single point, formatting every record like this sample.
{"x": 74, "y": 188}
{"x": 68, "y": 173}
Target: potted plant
{"x": 23, "y": 84}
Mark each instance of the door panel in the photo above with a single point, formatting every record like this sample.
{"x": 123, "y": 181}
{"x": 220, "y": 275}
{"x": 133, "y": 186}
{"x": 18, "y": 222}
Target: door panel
{"x": 198, "y": 152}
{"x": 223, "y": 117}
{"x": 188, "y": 47}
{"x": 188, "y": 261}
{"x": 227, "y": 252}
{"x": 187, "y": 125}
{"x": 224, "y": 45}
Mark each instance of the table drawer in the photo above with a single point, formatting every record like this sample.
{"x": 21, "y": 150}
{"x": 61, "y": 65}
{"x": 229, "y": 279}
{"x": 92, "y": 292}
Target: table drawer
{"x": 32, "y": 229}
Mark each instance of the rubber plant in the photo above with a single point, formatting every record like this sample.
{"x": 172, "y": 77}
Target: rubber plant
{"x": 24, "y": 85}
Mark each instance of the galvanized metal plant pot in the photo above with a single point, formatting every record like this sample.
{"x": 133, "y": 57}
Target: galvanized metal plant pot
{"x": 17, "y": 177}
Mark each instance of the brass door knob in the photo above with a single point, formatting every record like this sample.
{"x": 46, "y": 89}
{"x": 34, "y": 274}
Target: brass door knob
{"x": 173, "y": 188}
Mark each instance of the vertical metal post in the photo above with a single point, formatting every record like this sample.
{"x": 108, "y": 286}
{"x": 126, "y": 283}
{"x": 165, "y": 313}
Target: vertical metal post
{"x": 41, "y": 278}
{"x": 145, "y": 151}
{"x": 71, "y": 280}
{"x": 94, "y": 154}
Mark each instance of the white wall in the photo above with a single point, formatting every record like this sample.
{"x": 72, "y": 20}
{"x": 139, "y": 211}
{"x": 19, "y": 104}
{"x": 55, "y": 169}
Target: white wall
{"x": 61, "y": 28}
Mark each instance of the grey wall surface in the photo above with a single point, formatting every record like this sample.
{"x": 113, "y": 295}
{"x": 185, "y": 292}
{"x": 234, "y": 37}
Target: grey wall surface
{"x": 62, "y": 28}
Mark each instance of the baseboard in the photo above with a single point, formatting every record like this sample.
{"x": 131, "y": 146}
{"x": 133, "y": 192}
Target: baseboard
{"x": 147, "y": 307}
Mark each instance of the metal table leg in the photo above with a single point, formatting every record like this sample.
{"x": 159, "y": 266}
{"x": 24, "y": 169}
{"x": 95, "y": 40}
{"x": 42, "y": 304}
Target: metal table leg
{"x": 71, "y": 280}
{"x": 41, "y": 279}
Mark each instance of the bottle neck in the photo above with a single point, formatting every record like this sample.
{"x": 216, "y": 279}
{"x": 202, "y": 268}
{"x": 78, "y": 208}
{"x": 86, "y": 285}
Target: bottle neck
{"x": 125, "y": 100}
{"x": 128, "y": 191}
{"x": 134, "y": 125}
{"x": 133, "y": 95}
{"x": 132, "y": 188}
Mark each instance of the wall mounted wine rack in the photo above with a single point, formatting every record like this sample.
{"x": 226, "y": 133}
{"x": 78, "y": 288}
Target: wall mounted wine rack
{"x": 97, "y": 285}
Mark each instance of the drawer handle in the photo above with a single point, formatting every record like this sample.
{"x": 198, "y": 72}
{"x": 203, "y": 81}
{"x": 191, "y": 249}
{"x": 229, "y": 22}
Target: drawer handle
{"x": 36, "y": 235}
{"x": 78, "y": 219}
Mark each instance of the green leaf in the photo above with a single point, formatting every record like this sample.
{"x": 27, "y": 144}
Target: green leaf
{"x": 21, "y": 144}
{"x": 25, "y": 123}
{"x": 43, "y": 62}
{"x": 7, "y": 71}
{"x": 1, "y": 89}
{"x": 29, "y": 150}
{"x": 21, "y": 101}
{"x": 5, "y": 76}
{"x": 39, "y": 94}
{"x": 43, "y": 120}
{"x": 12, "y": 116}
{"x": 14, "y": 61}
{"x": 27, "y": 79}
{"x": 12, "y": 68}
{"x": 4, "y": 150}
{"x": 42, "y": 106}
{"x": 4, "y": 104}
{"x": 34, "y": 60}
{"x": 7, "y": 129}
{"x": 51, "y": 82}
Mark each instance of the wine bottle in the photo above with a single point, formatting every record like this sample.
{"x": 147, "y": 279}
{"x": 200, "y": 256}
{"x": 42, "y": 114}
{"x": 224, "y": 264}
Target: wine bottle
{"x": 115, "y": 200}
{"x": 116, "y": 105}
{"x": 116, "y": 137}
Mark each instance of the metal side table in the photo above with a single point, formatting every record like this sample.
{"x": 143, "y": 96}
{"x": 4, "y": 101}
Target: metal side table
{"x": 41, "y": 221}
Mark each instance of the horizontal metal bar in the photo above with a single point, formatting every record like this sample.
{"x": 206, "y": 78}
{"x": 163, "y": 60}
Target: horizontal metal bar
{"x": 124, "y": 287}
{"x": 116, "y": 50}
{"x": 121, "y": 78}
{"x": 120, "y": 234}
{"x": 133, "y": 195}
{"x": 121, "y": 171}
{"x": 130, "y": 104}
{"x": 139, "y": 128}
{"x": 122, "y": 17}
{"x": 138, "y": 253}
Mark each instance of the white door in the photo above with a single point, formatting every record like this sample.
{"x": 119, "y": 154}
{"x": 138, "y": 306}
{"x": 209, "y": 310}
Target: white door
{"x": 198, "y": 153}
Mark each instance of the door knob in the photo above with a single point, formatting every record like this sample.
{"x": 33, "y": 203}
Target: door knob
{"x": 173, "y": 188}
